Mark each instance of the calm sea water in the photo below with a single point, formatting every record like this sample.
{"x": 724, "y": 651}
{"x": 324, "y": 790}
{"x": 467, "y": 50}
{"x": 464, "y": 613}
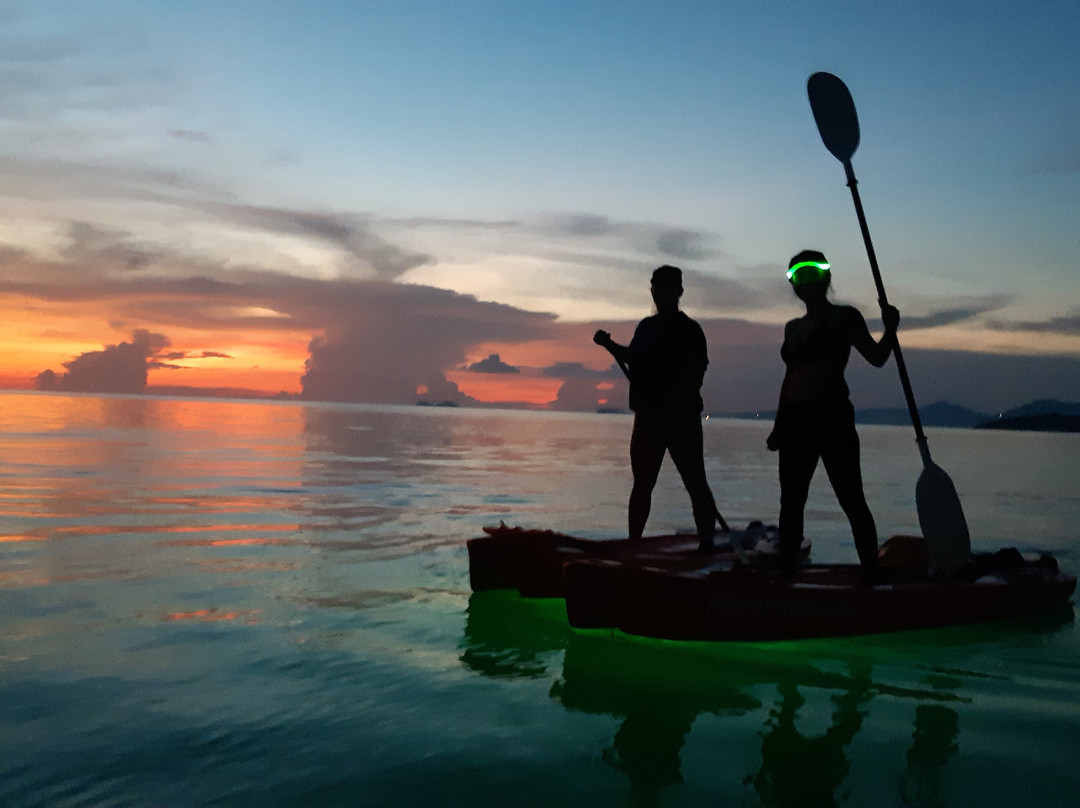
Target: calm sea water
{"x": 234, "y": 604}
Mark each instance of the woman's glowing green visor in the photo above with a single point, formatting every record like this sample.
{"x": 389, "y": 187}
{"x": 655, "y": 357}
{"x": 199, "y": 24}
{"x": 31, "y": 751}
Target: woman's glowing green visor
{"x": 808, "y": 272}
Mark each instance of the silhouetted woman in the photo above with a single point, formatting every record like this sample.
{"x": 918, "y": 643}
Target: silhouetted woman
{"x": 815, "y": 419}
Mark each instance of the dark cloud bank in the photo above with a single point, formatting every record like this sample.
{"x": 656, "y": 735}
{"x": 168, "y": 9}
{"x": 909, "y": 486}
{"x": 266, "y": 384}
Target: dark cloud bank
{"x": 493, "y": 364}
{"x": 390, "y": 352}
{"x": 379, "y": 340}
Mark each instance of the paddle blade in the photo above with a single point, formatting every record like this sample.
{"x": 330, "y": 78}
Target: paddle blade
{"x": 942, "y": 520}
{"x": 834, "y": 114}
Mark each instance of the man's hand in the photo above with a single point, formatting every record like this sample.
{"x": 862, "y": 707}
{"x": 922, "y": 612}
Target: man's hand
{"x": 890, "y": 317}
{"x": 602, "y": 338}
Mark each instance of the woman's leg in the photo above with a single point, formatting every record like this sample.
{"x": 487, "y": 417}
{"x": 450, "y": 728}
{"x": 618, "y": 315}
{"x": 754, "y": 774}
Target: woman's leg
{"x": 798, "y": 459}
{"x": 841, "y": 459}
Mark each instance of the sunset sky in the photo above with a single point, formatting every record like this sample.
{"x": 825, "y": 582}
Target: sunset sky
{"x": 386, "y": 201}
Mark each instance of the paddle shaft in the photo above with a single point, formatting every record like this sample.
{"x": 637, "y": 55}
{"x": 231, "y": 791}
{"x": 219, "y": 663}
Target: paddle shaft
{"x": 883, "y": 301}
{"x": 716, "y": 511}
{"x": 940, "y": 515}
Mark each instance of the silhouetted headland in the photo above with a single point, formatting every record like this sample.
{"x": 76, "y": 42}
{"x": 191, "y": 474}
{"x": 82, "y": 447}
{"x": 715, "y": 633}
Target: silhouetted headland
{"x": 1044, "y": 415}
{"x": 1052, "y": 422}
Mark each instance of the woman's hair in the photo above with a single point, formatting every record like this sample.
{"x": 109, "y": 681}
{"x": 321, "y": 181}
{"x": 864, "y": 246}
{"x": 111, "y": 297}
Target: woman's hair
{"x": 807, "y": 256}
{"x": 809, "y": 266}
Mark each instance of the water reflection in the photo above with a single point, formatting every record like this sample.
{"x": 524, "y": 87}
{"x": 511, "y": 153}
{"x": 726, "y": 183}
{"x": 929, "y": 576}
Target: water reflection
{"x": 508, "y": 637}
{"x": 656, "y": 702}
{"x": 373, "y": 470}
{"x": 799, "y": 769}
{"x": 92, "y": 477}
{"x": 934, "y": 742}
{"x": 659, "y": 690}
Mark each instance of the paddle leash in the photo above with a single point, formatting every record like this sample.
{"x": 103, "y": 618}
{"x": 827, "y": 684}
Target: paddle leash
{"x": 941, "y": 516}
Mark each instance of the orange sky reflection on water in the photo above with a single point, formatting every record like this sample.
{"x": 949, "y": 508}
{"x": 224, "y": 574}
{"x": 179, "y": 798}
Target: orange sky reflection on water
{"x": 212, "y": 616}
{"x": 227, "y": 542}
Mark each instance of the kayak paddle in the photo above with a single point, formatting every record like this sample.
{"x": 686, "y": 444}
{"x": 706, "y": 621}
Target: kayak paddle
{"x": 940, "y": 515}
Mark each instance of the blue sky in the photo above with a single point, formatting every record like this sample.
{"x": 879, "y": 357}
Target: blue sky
{"x": 538, "y": 156}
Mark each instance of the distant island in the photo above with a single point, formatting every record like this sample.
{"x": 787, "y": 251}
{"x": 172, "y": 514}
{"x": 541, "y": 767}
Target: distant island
{"x": 1052, "y": 422}
{"x": 1043, "y": 415}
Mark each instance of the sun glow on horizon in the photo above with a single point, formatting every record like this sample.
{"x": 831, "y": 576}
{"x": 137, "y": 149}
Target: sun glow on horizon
{"x": 264, "y": 354}
{"x": 507, "y": 388}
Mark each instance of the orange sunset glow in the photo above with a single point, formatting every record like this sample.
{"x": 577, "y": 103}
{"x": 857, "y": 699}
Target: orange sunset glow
{"x": 506, "y": 388}
{"x": 39, "y": 336}
{"x": 266, "y": 367}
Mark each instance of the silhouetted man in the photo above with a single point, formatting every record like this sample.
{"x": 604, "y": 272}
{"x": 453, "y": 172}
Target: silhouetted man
{"x": 666, "y": 362}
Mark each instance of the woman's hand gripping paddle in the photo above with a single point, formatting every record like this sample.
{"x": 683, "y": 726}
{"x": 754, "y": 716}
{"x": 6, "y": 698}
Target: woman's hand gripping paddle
{"x": 940, "y": 515}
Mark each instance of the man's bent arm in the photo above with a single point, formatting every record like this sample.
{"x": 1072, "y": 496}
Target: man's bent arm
{"x": 620, "y": 352}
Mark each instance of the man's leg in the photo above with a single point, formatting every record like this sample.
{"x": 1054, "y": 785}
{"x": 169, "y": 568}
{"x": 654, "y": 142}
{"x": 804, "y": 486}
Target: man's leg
{"x": 688, "y": 452}
{"x": 647, "y": 447}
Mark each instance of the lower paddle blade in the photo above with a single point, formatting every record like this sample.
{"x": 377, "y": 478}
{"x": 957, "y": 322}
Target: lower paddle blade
{"x": 942, "y": 520}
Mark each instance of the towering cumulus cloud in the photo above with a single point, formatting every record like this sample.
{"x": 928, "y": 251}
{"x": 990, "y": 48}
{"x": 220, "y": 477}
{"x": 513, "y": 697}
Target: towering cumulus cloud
{"x": 117, "y": 368}
{"x": 389, "y": 341}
